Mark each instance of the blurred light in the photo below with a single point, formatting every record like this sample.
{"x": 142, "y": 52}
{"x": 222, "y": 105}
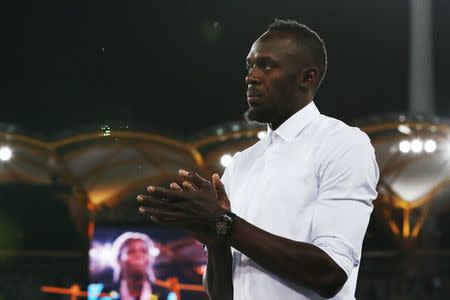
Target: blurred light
{"x": 404, "y": 129}
{"x": 5, "y": 153}
{"x": 103, "y": 255}
{"x": 94, "y": 290}
{"x": 219, "y": 131}
{"x": 430, "y": 146}
{"x": 226, "y": 159}
{"x": 262, "y": 134}
{"x": 172, "y": 296}
{"x": 235, "y": 127}
{"x": 416, "y": 146}
{"x": 212, "y": 31}
{"x": 154, "y": 252}
{"x": 200, "y": 269}
{"x": 404, "y": 146}
{"x": 106, "y": 130}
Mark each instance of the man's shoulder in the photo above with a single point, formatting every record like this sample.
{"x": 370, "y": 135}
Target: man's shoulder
{"x": 332, "y": 130}
{"x": 334, "y": 138}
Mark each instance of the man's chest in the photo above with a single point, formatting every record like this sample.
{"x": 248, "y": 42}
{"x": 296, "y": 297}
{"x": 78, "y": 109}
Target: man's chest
{"x": 276, "y": 190}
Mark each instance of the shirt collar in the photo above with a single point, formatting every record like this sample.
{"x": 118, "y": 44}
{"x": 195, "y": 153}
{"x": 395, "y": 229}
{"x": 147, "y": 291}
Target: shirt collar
{"x": 295, "y": 124}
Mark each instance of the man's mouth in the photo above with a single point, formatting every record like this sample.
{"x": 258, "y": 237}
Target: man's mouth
{"x": 254, "y": 100}
{"x": 254, "y": 96}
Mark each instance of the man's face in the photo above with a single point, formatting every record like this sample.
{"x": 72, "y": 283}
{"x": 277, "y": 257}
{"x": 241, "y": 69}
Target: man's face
{"x": 135, "y": 257}
{"x": 273, "y": 68}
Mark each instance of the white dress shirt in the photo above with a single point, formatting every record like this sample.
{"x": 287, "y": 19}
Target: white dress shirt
{"x": 313, "y": 180}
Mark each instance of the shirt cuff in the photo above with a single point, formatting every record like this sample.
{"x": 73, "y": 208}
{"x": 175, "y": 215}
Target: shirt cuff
{"x": 340, "y": 251}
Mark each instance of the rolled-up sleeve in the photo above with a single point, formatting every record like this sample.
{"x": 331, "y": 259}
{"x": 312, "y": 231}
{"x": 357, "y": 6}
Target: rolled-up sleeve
{"x": 347, "y": 175}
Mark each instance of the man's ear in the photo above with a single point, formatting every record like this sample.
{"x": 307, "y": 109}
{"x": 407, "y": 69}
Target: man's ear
{"x": 309, "y": 77}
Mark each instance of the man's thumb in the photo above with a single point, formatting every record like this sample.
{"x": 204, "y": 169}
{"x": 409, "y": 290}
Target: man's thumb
{"x": 220, "y": 190}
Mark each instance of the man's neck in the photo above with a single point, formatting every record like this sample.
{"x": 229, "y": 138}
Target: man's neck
{"x": 274, "y": 125}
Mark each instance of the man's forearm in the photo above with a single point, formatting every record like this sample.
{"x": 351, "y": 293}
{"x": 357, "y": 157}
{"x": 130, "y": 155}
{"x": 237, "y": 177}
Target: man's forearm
{"x": 218, "y": 279}
{"x": 297, "y": 262}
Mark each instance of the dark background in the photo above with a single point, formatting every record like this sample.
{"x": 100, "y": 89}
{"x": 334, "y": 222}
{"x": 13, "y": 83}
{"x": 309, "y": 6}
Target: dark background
{"x": 179, "y": 65}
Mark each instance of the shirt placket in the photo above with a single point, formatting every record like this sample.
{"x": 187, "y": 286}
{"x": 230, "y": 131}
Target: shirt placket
{"x": 267, "y": 171}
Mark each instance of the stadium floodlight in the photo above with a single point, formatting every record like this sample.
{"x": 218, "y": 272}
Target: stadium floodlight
{"x": 262, "y": 134}
{"x": 416, "y": 146}
{"x": 404, "y": 129}
{"x": 404, "y": 146}
{"x": 226, "y": 159}
{"x": 5, "y": 153}
{"x": 430, "y": 146}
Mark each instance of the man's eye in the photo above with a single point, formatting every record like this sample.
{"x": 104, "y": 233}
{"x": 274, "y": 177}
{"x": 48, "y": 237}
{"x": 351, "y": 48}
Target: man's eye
{"x": 268, "y": 67}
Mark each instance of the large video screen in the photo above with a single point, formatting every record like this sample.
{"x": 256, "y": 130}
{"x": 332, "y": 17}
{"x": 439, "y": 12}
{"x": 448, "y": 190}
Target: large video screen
{"x": 145, "y": 263}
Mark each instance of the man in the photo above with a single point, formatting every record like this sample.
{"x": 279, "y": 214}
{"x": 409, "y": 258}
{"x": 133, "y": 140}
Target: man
{"x": 300, "y": 198}
{"x": 133, "y": 275}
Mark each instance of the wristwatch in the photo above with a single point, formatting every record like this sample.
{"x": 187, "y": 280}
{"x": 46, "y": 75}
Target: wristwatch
{"x": 224, "y": 224}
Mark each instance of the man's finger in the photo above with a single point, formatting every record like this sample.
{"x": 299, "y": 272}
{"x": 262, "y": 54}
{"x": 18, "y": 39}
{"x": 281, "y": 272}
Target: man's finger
{"x": 151, "y": 201}
{"x": 189, "y": 186}
{"x": 195, "y": 179}
{"x": 163, "y": 193}
{"x": 159, "y": 216}
{"x": 175, "y": 187}
{"x": 167, "y": 222}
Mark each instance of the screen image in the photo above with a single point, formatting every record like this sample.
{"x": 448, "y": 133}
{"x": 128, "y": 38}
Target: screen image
{"x": 145, "y": 263}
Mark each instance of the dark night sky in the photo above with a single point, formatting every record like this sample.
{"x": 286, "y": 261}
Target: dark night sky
{"x": 158, "y": 68}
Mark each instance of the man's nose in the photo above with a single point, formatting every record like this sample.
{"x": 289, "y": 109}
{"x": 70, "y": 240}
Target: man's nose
{"x": 251, "y": 77}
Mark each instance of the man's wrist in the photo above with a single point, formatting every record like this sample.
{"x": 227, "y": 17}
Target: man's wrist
{"x": 217, "y": 249}
{"x": 217, "y": 246}
{"x": 224, "y": 225}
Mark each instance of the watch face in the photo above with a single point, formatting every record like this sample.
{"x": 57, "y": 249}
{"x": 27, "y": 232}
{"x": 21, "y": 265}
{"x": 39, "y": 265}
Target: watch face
{"x": 223, "y": 225}
{"x": 222, "y": 228}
